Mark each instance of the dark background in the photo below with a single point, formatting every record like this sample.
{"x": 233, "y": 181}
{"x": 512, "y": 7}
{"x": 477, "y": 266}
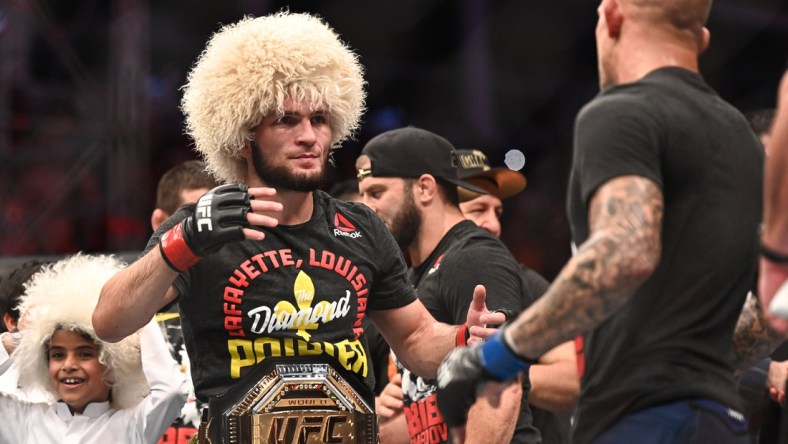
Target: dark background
{"x": 89, "y": 94}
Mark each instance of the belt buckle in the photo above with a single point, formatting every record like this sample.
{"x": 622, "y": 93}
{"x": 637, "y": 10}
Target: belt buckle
{"x": 299, "y": 403}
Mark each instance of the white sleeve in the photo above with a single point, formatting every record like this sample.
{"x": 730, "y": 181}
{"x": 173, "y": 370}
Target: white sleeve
{"x": 5, "y": 359}
{"x": 167, "y": 383}
{"x": 15, "y": 414}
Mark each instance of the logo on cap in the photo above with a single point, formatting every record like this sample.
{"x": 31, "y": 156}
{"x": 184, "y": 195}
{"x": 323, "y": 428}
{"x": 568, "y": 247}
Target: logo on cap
{"x": 343, "y": 227}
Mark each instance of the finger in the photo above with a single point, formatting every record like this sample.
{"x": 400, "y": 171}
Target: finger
{"x": 265, "y": 206}
{"x": 253, "y": 234}
{"x": 391, "y": 392}
{"x": 482, "y": 332}
{"x": 392, "y": 404}
{"x": 384, "y": 412}
{"x": 492, "y": 318}
{"x": 479, "y": 299}
{"x": 260, "y": 220}
{"x": 262, "y": 192}
{"x": 394, "y": 393}
{"x": 396, "y": 380}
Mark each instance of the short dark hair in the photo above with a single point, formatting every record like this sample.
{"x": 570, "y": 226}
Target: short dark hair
{"x": 346, "y": 190}
{"x": 186, "y": 175}
{"x": 449, "y": 191}
{"x": 12, "y": 287}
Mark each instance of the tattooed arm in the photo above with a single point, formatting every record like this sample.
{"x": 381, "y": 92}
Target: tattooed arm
{"x": 623, "y": 249}
{"x": 753, "y": 339}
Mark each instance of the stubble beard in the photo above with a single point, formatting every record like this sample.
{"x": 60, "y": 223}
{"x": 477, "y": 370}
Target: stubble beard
{"x": 407, "y": 222}
{"x": 280, "y": 177}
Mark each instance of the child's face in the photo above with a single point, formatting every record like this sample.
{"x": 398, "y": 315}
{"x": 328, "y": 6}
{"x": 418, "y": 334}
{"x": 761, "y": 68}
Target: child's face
{"x": 75, "y": 371}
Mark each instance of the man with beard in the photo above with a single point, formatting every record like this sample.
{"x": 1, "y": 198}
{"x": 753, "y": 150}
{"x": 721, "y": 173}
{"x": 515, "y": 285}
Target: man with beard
{"x": 276, "y": 280}
{"x": 408, "y": 176}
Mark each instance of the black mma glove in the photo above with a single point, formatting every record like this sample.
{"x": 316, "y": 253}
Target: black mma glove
{"x": 509, "y": 316}
{"x": 465, "y": 370}
{"x": 218, "y": 219}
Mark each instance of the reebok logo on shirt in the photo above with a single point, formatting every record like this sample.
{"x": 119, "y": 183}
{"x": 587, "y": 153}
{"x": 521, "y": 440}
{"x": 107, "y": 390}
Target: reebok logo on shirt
{"x": 343, "y": 227}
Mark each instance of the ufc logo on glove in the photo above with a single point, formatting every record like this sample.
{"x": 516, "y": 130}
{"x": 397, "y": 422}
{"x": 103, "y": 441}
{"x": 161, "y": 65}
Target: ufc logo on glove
{"x": 203, "y": 213}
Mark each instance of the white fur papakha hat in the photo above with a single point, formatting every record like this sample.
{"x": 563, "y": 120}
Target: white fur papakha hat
{"x": 63, "y": 295}
{"x": 247, "y": 71}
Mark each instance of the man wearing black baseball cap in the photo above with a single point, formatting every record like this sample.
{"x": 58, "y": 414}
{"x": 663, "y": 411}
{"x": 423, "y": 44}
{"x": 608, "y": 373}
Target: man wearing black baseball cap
{"x": 408, "y": 176}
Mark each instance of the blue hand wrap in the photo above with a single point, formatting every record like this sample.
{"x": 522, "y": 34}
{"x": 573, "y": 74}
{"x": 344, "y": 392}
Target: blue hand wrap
{"x": 499, "y": 360}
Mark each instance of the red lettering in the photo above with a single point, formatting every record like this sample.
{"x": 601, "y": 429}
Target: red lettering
{"x": 362, "y": 302}
{"x": 358, "y": 282}
{"x": 413, "y": 420}
{"x": 233, "y": 295}
{"x": 249, "y": 270}
{"x": 231, "y": 309}
{"x": 271, "y": 255}
{"x": 352, "y": 273}
{"x": 357, "y": 324}
{"x": 343, "y": 265}
{"x": 287, "y": 257}
{"x": 312, "y": 261}
{"x": 327, "y": 260}
{"x": 233, "y": 325}
{"x": 431, "y": 410}
{"x": 238, "y": 279}
{"x": 260, "y": 263}
{"x": 185, "y": 434}
{"x": 425, "y": 423}
{"x": 177, "y": 435}
{"x": 170, "y": 436}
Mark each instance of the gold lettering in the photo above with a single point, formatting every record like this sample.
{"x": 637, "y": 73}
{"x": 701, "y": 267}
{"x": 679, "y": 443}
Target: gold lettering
{"x": 236, "y": 346}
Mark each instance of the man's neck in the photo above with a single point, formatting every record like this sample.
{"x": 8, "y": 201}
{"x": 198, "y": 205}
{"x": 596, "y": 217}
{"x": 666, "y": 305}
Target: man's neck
{"x": 434, "y": 226}
{"x": 643, "y": 53}
{"x": 297, "y": 206}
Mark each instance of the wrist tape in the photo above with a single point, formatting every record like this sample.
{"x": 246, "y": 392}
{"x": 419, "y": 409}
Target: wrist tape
{"x": 499, "y": 360}
{"x": 175, "y": 251}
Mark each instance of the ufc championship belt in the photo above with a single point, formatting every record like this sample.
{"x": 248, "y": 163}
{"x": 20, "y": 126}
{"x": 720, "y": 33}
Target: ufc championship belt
{"x": 293, "y": 404}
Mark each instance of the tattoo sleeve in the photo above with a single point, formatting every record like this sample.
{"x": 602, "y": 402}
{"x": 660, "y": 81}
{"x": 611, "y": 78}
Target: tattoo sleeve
{"x": 753, "y": 340}
{"x": 623, "y": 248}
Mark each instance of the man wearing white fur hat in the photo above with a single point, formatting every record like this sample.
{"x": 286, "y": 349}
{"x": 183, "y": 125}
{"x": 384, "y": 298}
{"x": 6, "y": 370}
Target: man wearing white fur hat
{"x": 124, "y": 392}
{"x": 273, "y": 270}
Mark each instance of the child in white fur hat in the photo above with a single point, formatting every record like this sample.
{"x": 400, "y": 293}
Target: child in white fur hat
{"x": 129, "y": 391}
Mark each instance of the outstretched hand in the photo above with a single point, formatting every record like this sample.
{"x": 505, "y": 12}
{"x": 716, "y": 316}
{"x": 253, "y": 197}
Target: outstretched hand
{"x": 479, "y": 317}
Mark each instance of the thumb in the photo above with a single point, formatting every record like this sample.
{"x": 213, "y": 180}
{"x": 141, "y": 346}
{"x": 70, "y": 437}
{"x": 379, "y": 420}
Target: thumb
{"x": 479, "y": 299}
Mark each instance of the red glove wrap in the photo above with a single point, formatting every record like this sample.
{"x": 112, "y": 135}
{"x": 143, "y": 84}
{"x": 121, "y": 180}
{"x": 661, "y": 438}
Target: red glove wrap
{"x": 175, "y": 251}
{"x": 463, "y": 334}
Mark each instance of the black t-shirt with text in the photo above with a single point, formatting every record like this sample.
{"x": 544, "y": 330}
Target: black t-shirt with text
{"x": 302, "y": 292}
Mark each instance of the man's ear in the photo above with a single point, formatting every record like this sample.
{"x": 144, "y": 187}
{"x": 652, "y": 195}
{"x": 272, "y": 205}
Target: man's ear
{"x": 425, "y": 187}
{"x": 705, "y": 39}
{"x": 613, "y": 18}
{"x": 246, "y": 151}
{"x": 157, "y": 218}
{"x": 9, "y": 322}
